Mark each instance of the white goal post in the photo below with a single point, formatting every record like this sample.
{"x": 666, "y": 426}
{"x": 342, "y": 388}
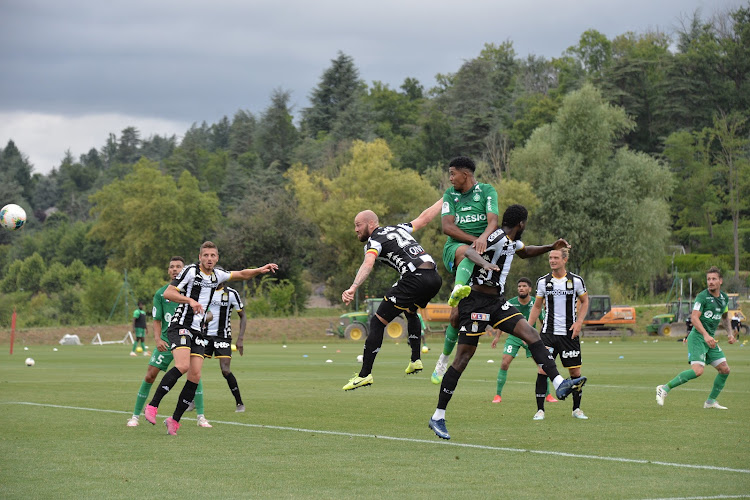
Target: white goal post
{"x": 97, "y": 340}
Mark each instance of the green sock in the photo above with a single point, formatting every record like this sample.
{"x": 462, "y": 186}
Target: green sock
{"x": 719, "y": 381}
{"x": 135, "y": 344}
{"x": 140, "y": 400}
{"x": 502, "y": 376}
{"x": 198, "y": 400}
{"x": 451, "y": 337}
{"x": 463, "y": 271}
{"x": 680, "y": 379}
{"x": 547, "y": 386}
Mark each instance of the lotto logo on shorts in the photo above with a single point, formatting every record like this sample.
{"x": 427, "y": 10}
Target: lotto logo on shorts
{"x": 221, "y": 345}
{"x": 201, "y": 342}
{"x": 480, "y": 317}
{"x": 570, "y": 354}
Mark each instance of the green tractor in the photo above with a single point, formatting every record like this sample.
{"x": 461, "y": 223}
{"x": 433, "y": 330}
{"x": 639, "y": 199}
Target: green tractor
{"x": 355, "y": 325}
{"x": 674, "y": 322}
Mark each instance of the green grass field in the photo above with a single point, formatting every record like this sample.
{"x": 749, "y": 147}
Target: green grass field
{"x": 64, "y": 434}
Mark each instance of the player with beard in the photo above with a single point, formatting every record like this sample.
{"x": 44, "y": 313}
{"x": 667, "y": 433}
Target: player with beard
{"x": 193, "y": 289}
{"x": 486, "y": 305}
{"x": 524, "y": 301}
{"x": 418, "y": 284}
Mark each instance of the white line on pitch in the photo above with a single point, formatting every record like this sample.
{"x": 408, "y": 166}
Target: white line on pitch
{"x": 425, "y": 441}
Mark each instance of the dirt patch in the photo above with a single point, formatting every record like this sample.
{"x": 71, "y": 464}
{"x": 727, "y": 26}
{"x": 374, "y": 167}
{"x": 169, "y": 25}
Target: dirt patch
{"x": 258, "y": 330}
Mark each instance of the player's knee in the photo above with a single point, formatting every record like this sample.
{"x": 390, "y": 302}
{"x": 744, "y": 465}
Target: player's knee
{"x": 697, "y": 369}
{"x": 505, "y": 364}
{"x": 226, "y": 372}
{"x": 724, "y": 369}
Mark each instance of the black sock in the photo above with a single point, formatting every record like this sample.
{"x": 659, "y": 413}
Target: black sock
{"x": 448, "y": 387}
{"x": 232, "y": 382}
{"x": 576, "y": 399}
{"x": 541, "y": 390}
{"x": 372, "y": 346}
{"x": 186, "y": 396}
{"x": 414, "y": 328}
{"x": 544, "y": 359}
{"x": 167, "y": 382}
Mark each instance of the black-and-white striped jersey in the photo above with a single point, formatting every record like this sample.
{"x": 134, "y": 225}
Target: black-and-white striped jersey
{"x": 192, "y": 283}
{"x": 395, "y": 246}
{"x": 500, "y": 251}
{"x": 560, "y": 296}
{"x": 223, "y": 303}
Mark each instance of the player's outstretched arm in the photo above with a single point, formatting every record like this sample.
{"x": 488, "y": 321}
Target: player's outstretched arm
{"x": 246, "y": 274}
{"x": 427, "y": 215}
{"x": 364, "y": 271}
{"x": 534, "y": 250}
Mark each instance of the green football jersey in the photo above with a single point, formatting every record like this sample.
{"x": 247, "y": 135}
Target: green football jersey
{"x": 711, "y": 309}
{"x": 163, "y": 311}
{"x": 525, "y": 309}
{"x": 470, "y": 209}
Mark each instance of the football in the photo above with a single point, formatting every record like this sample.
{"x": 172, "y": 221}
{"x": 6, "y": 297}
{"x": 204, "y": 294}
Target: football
{"x": 360, "y": 358}
{"x": 425, "y": 349}
{"x": 12, "y": 216}
{"x": 30, "y": 362}
{"x": 139, "y": 349}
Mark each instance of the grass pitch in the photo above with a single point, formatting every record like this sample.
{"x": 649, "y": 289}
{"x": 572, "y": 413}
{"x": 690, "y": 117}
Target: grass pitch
{"x": 64, "y": 433}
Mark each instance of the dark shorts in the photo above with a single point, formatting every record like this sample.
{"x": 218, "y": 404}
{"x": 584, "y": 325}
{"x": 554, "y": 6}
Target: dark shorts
{"x": 567, "y": 348}
{"x": 181, "y": 338}
{"x": 414, "y": 290}
{"x": 478, "y": 310}
{"x": 218, "y": 347}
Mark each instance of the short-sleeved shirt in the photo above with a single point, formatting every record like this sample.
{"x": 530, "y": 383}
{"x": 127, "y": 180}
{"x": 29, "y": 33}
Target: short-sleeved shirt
{"x": 470, "y": 209}
{"x": 711, "y": 309}
{"x": 223, "y": 303}
{"x": 525, "y": 309}
{"x": 500, "y": 251}
{"x": 193, "y": 283}
{"x": 395, "y": 246}
{"x": 139, "y": 315}
{"x": 163, "y": 310}
{"x": 560, "y": 295}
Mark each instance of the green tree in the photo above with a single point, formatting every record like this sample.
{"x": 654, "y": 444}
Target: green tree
{"x": 277, "y": 135}
{"x": 367, "y": 181}
{"x": 336, "y": 105}
{"x": 732, "y": 157}
{"x": 606, "y": 201}
{"x": 147, "y": 216}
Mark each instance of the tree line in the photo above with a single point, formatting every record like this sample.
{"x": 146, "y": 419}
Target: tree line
{"x": 635, "y": 149}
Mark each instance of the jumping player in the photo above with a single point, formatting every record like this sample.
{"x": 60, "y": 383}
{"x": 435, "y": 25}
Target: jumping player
{"x": 418, "y": 284}
{"x": 486, "y": 305}
{"x": 469, "y": 215}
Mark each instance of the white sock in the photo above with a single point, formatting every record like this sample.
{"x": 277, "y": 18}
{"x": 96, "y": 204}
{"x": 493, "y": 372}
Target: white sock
{"x": 439, "y": 414}
{"x": 199, "y": 416}
{"x": 443, "y": 359}
{"x": 558, "y": 380}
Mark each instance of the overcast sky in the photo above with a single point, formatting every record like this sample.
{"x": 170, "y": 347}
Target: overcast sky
{"x": 73, "y": 71}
